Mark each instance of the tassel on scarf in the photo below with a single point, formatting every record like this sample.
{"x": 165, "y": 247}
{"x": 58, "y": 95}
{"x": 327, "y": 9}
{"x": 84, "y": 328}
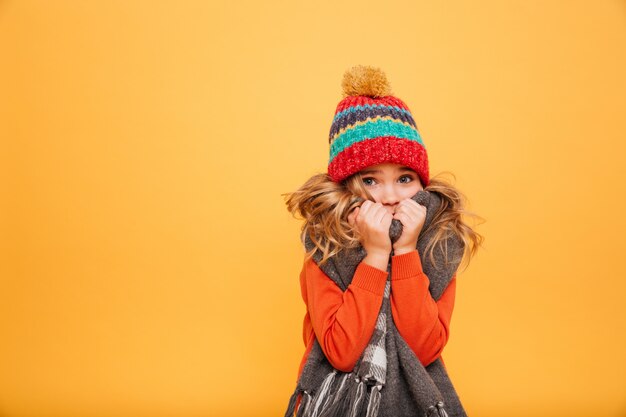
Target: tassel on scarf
{"x": 355, "y": 401}
{"x": 344, "y": 401}
{"x": 305, "y": 405}
{"x": 441, "y": 410}
{"x": 438, "y": 410}
{"x": 339, "y": 402}
{"x": 374, "y": 401}
{"x": 323, "y": 396}
{"x": 358, "y": 399}
{"x": 321, "y": 403}
{"x": 291, "y": 408}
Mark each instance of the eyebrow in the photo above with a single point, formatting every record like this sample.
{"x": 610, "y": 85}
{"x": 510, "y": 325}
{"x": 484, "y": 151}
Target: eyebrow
{"x": 376, "y": 171}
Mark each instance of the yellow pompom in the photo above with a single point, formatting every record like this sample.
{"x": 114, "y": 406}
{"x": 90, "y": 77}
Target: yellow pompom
{"x": 363, "y": 80}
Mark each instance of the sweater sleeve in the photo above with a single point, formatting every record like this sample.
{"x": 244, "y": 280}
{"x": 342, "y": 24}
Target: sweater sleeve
{"x": 306, "y": 323}
{"x": 423, "y": 322}
{"x": 343, "y": 322}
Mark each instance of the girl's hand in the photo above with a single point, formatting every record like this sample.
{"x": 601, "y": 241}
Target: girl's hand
{"x": 372, "y": 222}
{"x": 412, "y": 216}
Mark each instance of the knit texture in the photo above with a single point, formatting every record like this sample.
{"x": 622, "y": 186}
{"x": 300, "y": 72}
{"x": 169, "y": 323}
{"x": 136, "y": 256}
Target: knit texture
{"x": 388, "y": 379}
{"x": 371, "y": 126}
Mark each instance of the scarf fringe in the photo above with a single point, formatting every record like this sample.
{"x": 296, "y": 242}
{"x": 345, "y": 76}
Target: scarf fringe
{"x": 352, "y": 399}
{"x": 437, "y": 410}
{"x": 374, "y": 402}
{"x": 291, "y": 408}
{"x": 340, "y": 401}
{"x": 361, "y": 389}
{"x": 346, "y": 401}
{"x": 345, "y": 396}
{"x": 305, "y": 405}
{"x": 323, "y": 396}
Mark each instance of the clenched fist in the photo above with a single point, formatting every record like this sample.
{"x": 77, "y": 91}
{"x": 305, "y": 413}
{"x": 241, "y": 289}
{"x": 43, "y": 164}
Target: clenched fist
{"x": 372, "y": 221}
{"x": 412, "y": 216}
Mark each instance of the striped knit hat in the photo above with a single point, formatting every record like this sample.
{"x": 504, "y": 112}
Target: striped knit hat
{"x": 372, "y": 127}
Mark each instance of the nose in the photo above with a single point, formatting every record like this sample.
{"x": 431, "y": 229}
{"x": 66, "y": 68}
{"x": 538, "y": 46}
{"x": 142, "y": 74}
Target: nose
{"x": 389, "y": 195}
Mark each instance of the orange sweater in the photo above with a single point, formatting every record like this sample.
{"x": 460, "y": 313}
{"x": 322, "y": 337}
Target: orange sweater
{"x": 345, "y": 321}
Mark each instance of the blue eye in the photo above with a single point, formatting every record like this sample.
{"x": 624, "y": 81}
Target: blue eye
{"x": 407, "y": 177}
{"x": 368, "y": 181}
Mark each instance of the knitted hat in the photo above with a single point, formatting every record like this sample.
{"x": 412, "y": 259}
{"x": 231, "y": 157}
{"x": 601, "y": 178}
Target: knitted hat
{"x": 372, "y": 127}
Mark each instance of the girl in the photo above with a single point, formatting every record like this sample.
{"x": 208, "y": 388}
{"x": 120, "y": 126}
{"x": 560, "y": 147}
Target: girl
{"x": 383, "y": 244}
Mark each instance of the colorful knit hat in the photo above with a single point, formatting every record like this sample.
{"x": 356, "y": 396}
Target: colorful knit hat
{"x": 372, "y": 127}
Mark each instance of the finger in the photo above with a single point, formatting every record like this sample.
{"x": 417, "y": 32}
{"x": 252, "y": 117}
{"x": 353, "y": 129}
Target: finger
{"x": 387, "y": 218}
{"x": 409, "y": 212}
{"x": 352, "y": 216}
{"x": 416, "y": 210}
{"x": 410, "y": 204}
{"x": 378, "y": 214}
{"x": 365, "y": 208}
{"x": 410, "y": 201}
{"x": 404, "y": 219}
{"x": 368, "y": 209}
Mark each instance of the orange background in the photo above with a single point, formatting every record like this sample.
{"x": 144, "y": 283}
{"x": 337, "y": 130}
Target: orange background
{"x": 148, "y": 265}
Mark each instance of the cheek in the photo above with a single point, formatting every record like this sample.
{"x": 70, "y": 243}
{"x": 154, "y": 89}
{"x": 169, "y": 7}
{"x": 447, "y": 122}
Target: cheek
{"x": 376, "y": 195}
{"x": 412, "y": 190}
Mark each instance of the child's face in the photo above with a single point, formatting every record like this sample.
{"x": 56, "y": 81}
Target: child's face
{"x": 390, "y": 183}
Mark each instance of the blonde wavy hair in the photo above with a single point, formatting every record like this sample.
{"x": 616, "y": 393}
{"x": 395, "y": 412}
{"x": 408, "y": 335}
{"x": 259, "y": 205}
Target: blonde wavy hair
{"x": 324, "y": 206}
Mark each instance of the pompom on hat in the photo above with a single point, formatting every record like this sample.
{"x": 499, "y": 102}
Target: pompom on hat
{"x": 372, "y": 127}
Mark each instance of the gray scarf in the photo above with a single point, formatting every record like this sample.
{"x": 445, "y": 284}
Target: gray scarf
{"x": 395, "y": 384}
